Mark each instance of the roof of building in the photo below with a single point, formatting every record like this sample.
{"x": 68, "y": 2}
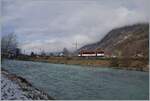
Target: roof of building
{"x": 91, "y": 52}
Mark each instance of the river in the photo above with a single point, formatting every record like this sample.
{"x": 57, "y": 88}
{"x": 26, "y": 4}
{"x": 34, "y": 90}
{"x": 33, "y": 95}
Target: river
{"x": 64, "y": 82}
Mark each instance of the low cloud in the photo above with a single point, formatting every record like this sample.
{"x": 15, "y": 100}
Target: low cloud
{"x": 53, "y": 25}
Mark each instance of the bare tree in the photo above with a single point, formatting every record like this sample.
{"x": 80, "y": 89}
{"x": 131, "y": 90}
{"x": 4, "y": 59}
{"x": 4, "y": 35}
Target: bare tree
{"x": 32, "y": 54}
{"x": 9, "y": 44}
{"x": 65, "y": 52}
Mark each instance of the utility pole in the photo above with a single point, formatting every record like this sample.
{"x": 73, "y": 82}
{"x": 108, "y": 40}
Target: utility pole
{"x": 76, "y": 45}
{"x": 24, "y": 52}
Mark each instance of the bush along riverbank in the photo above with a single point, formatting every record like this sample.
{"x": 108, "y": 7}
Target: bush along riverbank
{"x": 14, "y": 87}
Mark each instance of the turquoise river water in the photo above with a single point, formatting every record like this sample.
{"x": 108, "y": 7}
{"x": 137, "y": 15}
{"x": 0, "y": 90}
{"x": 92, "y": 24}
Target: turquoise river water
{"x": 81, "y": 82}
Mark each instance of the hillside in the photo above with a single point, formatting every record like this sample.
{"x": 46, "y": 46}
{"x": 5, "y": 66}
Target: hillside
{"x": 127, "y": 41}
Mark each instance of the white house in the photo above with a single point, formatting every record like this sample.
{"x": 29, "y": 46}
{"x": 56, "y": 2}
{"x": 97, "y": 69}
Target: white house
{"x": 91, "y": 53}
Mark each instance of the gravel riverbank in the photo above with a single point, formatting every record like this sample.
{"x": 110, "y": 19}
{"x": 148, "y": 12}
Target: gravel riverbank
{"x": 17, "y": 88}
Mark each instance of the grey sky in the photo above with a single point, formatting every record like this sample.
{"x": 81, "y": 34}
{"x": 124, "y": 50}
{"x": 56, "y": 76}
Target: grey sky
{"x": 51, "y": 25}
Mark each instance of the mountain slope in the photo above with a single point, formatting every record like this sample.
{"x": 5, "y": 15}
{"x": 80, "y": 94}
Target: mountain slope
{"x": 128, "y": 41}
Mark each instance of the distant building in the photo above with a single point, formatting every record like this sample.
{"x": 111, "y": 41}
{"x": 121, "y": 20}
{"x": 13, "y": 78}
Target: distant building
{"x": 87, "y": 53}
{"x": 11, "y": 53}
{"x": 99, "y": 53}
{"x": 61, "y": 54}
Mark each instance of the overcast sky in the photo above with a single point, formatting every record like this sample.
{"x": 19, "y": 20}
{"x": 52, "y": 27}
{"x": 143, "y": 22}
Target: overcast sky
{"x": 51, "y": 25}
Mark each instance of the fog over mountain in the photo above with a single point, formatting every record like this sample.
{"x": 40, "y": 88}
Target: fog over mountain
{"x": 52, "y": 25}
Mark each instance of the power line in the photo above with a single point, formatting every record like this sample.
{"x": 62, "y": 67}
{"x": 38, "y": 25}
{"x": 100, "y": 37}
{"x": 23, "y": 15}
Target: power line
{"x": 76, "y": 45}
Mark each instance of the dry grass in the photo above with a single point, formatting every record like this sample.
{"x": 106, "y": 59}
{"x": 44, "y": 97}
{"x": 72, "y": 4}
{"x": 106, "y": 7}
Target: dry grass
{"x": 140, "y": 64}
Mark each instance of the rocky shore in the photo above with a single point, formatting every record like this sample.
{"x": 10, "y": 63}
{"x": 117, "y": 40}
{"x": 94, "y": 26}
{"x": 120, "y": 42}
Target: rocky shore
{"x": 14, "y": 87}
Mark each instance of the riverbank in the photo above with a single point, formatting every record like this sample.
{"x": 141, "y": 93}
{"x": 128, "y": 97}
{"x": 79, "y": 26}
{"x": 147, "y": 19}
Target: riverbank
{"x": 138, "y": 64}
{"x": 14, "y": 87}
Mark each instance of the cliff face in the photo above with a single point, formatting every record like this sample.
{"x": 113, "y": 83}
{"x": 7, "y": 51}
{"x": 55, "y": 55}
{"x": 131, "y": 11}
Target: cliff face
{"x": 128, "y": 41}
